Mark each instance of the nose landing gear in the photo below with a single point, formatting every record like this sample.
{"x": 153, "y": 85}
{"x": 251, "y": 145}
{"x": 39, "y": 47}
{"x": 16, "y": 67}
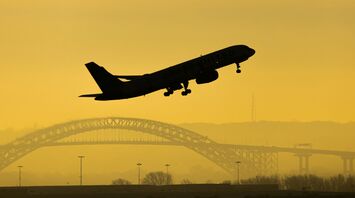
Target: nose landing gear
{"x": 238, "y": 68}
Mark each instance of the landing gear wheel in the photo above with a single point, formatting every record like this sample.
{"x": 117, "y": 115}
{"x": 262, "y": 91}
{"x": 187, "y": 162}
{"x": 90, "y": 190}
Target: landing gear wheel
{"x": 186, "y": 91}
{"x": 238, "y": 68}
{"x": 168, "y": 92}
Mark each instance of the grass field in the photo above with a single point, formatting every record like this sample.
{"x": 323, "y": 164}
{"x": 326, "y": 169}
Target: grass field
{"x": 171, "y": 191}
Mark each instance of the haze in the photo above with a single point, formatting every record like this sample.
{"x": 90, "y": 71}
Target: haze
{"x": 303, "y": 69}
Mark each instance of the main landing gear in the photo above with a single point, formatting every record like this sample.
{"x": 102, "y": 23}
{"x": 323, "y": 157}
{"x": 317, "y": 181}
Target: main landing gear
{"x": 186, "y": 90}
{"x": 238, "y": 68}
{"x": 168, "y": 92}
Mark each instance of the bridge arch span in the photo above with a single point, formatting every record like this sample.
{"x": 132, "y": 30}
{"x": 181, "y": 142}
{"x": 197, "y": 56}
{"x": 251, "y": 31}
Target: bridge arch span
{"x": 177, "y": 135}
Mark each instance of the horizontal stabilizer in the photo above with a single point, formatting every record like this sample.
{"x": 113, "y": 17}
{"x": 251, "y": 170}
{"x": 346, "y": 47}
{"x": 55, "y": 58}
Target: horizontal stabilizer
{"x": 90, "y": 95}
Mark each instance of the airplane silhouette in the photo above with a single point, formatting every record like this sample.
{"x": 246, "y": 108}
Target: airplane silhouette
{"x": 202, "y": 69}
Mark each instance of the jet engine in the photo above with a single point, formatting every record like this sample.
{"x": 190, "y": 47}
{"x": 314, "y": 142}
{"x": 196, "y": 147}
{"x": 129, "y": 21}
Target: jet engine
{"x": 206, "y": 77}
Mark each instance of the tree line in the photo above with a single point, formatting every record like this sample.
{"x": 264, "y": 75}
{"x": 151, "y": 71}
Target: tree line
{"x": 152, "y": 178}
{"x": 337, "y": 183}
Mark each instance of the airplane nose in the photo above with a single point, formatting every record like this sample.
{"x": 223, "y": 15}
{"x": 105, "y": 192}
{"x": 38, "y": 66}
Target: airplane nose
{"x": 252, "y": 51}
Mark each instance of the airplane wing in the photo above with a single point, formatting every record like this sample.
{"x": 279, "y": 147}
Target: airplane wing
{"x": 130, "y": 77}
{"x": 90, "y": 95}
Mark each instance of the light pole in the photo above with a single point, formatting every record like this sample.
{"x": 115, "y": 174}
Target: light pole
{"x": 167, "y": 173}
{"x": 237, "y": 171}
{"x": 139, "y": 172}
{"x": 19, "y": 176}
{"x": 81, "y": 168}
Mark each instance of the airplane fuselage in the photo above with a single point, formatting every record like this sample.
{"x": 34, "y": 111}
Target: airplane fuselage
{"x": 172, "y": 77}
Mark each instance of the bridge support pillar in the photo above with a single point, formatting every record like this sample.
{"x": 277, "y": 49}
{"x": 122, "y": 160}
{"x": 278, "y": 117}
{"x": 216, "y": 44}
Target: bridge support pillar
{"x": 348, "y": 165}
{"x": 303, "y": 160}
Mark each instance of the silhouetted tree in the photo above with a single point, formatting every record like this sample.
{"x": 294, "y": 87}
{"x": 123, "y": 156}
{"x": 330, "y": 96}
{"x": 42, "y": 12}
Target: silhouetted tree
{"x": 304, "y": 182}
{"x": 339, "y": 183}
{"x": 186, "y": 181}
{"x": 226, "y": 182}
{"x": 210, "y": 182}
{"x": 121, "y": 181}
{"x": 274, "y": 179}
{"x": 350, "y": 183}
{"x": 157, "y": 178}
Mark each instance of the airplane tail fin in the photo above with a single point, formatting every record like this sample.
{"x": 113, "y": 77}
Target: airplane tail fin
{"x": 106, "y": 81}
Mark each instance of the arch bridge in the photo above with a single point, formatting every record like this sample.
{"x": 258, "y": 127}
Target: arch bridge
{"x": 223, "y": 156}
{"x": 256, "y": 160}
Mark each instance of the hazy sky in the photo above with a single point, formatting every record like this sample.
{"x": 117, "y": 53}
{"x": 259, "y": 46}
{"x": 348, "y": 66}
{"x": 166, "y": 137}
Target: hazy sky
{"x": 303, "y": 68}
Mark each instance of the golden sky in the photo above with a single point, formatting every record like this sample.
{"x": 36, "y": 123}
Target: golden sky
{"x": 303, "y": 68}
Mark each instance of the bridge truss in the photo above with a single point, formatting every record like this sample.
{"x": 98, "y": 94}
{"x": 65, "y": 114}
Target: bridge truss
{"x": 254, "y": 161}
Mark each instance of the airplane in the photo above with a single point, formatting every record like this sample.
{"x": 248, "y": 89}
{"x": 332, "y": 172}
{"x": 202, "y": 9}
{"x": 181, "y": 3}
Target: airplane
{"x": 202, "y": 69}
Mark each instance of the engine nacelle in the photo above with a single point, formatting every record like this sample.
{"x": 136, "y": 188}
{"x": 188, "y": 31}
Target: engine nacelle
{"x": 206, "y": 77}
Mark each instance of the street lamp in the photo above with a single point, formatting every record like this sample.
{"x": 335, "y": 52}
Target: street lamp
{"x": 139, "y": 172}
{"x": 19, "y": 176}
{"x": 167, "y": 168}
{"x": 81, "y": 168}
{"x": 237, "y": 171}
{"x": 167, "y": 173}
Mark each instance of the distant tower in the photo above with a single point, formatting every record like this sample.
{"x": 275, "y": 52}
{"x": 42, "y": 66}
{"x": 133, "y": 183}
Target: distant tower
{"x": 253, "y": 110}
